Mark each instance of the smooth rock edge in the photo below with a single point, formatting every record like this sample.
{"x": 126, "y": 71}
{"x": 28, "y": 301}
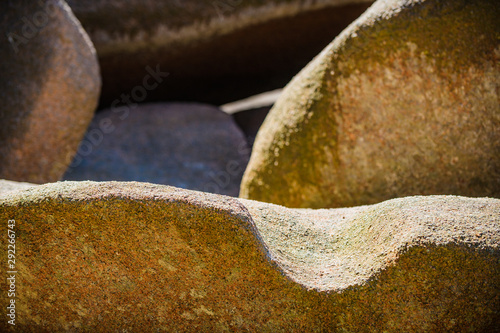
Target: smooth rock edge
{"x": 113, "y": 256}
{"x": 389, "y": 109}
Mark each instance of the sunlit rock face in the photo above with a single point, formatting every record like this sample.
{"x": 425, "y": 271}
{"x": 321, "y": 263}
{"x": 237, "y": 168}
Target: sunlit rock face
{"x": 403, "y": 102}
{"x": 141, "y": 257}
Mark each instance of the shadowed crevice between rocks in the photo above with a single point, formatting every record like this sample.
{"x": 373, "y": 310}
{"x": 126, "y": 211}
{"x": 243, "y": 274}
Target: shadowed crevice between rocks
{"x": 215, "y": 61}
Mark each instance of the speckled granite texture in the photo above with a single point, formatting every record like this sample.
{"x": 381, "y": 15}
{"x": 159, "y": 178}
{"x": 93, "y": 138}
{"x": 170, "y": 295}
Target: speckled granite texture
{"x": 109, "y": 257}
{"x": 405, "y": 101}
{"x": 49, "y": 88}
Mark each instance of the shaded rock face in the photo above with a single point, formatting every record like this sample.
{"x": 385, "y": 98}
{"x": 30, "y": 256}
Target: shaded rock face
{"x": 403, "y": 102}
{"x": 250, "y": 112}
{"x": 250, "y": 121}
{"x": 48, "y": 90}
{"x": 215, "y": 51}
{"x": 188, "y": 145}
{"x": 142, "y": 257}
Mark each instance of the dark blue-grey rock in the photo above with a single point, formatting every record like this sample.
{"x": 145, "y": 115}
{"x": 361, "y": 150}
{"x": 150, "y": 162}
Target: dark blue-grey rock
{"x": 188, "y": 145}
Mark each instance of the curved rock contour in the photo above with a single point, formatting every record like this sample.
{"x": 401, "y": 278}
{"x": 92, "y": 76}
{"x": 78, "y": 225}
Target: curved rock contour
{"x": 188, "y": 145}
{"x": 136, "y": 256}
{"x": 49, "y": 88}
{"x": 216, "y": 51}
{"x": 403, "y": 102}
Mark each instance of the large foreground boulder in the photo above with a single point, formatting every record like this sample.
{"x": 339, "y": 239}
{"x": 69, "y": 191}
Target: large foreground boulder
{"x": 112, "y": 257}
{"x": 49, "y": 88}
{"x": 216, "y": 51}
{"x": 188, "y": 145}
{"x": 405, "y": 101}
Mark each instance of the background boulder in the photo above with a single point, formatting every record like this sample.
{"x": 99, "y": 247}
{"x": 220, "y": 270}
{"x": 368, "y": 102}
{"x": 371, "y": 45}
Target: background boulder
{"x": 188, "y": 145}
{"x": 403, "y": 102}
{"x": 216, "y": 51}
{"x": 48, "y": 90}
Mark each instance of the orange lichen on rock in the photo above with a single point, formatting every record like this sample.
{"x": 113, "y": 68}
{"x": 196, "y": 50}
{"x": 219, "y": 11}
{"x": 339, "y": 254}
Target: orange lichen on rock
{"x": 107, "y": 257}
{"x": 403, "y": 102}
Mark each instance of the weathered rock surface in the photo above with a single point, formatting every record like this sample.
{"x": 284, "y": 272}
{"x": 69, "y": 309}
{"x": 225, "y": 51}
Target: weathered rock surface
{"x": 48, "y": 90}
{"x": 188, "y": 145}
{"x": 405, "y": 101}
{"x": 216, "y": 51}
{"x": 142, "y": 257}
{"x": 9, "y": 185}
